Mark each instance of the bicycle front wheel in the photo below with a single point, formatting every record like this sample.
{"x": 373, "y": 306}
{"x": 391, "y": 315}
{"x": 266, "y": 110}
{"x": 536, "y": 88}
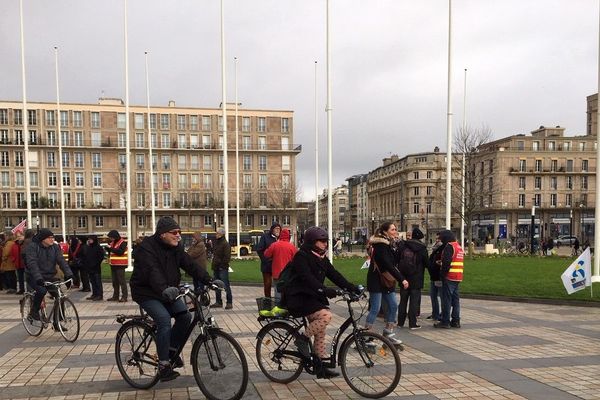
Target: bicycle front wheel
{"x": 220, "y": 366}
{"x": 276, "y": 355}
{"x": 137, "y": 355}
{"x": 67, "y": 320}
{"x": 32, "y": 326}
{"x": 367, "y": 360}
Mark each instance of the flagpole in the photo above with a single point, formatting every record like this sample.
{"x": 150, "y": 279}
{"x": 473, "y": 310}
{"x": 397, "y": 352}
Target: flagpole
{"x": 237, "y": 163}
{"x": 449, "y": 124}
{"x": 127, "y": 145}
{"x": 24, "y": 117}
{"x": 152, "y": 206}
{"x": 462, "y": 203}
{"x": 224, "y": 111}
{"x": 60, "y": 166}
{"x": 316, "y": 152}
{"x": 329, "y": 143}
{"x": 596, "y": 273}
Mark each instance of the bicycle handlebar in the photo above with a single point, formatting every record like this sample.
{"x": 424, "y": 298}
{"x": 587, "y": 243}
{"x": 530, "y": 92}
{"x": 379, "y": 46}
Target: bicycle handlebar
{"x": 214, "y": 285}
{"x": 59, "y": 283}
{"x": 352, "y": 296}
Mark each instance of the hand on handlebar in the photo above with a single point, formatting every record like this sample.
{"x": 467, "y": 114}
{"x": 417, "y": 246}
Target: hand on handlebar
{"x": 170, "y": 294}
{"x": 217, "y": 284}
{"x": 330, "y": 292}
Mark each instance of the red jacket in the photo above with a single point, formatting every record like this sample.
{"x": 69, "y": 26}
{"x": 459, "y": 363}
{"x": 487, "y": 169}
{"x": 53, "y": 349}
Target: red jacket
{"x": 282, "y": 252}
{"x": 15, "y": 254}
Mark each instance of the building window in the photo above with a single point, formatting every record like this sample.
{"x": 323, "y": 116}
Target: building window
{"x": 78, "y": 160}
{"x": 584, "y": 165}
{"x": 99, "y": 221}
{"x": 167, "y": 200}
{"x": 32, "y": 117}
{"x": 249, "y": 220}
{"x": 567, "y": 146}
{"x": 552, "y": 146}
{"x": 538, "y": 165}
{"x": 262, "y": 124}
{"x": 206, "y": 123}
{"x": 51, "y": 179}
{"x": 96, "y": 160}
{"x": 19, "y": 179}
{"x": 520, "y": 145}
{"x": 95, "y": 119}
{"x": 416, "y": 208}
{"x": 193, "y": 122}
{"x": 141, "y": 220}
{"x": 165, "y": 141}
{"x": 262, "y": 181}
{"x": 4, "y": 161}
{"x": 164, "y": 121}
{"x": 569, "y": 182}
{"x": 429, "y": 190}
{"x": 285, "y": 163}
{"x": 522, "y": 165}
{"x": 4, "y": 116}
{"x": 416, "y": 191}
{"x": 166, "y": 161}
{"x": 264, "y": 220}
{"x": 123, "y": 220}
{"x": 584, "y": 183}
{"x": 82, "y": 221}
{"x": 569, "y": 200}
{"x": 139, "y": 139}
{"x": 5, "y": 179}
{"x": 537, "y": 200}
{"x": 97, "y": 198}
{"x": 207, "y": 181}
{"x": 522, "y": 182}
{"x": 138, "y": 121}
{"x": 121, "y": 123}
{"x": 207, "y": 162}
{"x": 428, "y": 208}
{"x": 285, "y": 125}
{"x": 521, "y": 200}
{"x": 535, "y": 146}
{"x": 245, "y": 124}
{"x": 553, "y": 182}
{"x": 5, "y": 200}
{"x": 79, "y": 200}
{"x": 262, "y": 163}
{"x": 285, "y": 182}
{"x": 569, "y": 165}
{"x": 19, "y": 158}
{"x": 77, "y": 119}
{"x": 416, "y": 175}
{"x": 262, "y": 142}
{"x": 51, "y": 157}
{"x": 538, "y": 182}
{"x": 262, "y": 199}
{"x": 247, "y": 162}
{"x": 246, "y": 143}
{"x": 97, "y": 179}
{"x": 181, "y": 122}
{"x": 553, "y": 200}
{"x": 66, "y": 179}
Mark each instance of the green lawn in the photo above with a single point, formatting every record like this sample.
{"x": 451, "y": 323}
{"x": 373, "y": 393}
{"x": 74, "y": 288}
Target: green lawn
{"x": 523, "y": 277}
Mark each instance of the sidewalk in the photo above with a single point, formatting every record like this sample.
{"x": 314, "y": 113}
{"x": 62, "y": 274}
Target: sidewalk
{"x": 503, "y": 351}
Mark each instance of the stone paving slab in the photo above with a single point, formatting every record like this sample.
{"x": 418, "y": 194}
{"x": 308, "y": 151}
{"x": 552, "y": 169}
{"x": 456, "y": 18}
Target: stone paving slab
{"x": 504, "y": 350}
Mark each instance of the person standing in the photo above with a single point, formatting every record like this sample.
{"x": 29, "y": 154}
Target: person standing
{"x": 452, "y": 266}
{"x": 412, "y": 261}
{"x": 265, "y": 241}
{"x": 435, "y": 285}
{"x": 198, "y": 253}
{"x": 42, "y": 256}
{"x": 15, "y": 254}
{"x": 117, "y": 253}
{"x": 7, "y": 266}
{"x": 220, "y": 267}
{"x": 281, "y": 252}
{"x": 382, "y": 260}
{"x": 92, "y": 257}
{"x": 75, "y": 260}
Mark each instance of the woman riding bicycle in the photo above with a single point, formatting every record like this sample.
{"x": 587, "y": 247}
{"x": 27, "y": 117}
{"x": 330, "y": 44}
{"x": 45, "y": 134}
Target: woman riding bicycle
{"x": 307, "y": 295}
{"x": 154, "y": 286}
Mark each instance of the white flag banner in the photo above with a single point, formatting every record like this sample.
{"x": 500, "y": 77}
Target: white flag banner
{"x": 366, "y": 264}
{"x": 579, "y": 274}
{"x": 21, "y": 226}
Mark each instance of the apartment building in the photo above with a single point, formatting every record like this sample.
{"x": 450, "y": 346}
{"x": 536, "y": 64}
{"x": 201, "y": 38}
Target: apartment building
{"x": 339, "y": 209}
{"x": 187, "y": 162}
{"x": 410, "y": 191}
{"x": 547, "y": 172}
{"x": 357, "y": 217}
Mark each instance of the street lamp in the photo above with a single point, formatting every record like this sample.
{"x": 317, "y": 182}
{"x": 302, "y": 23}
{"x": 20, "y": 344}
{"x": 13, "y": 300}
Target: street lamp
{"x": 532, "y": 223}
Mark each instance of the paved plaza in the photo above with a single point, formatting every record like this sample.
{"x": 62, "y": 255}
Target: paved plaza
{"x": 504, "y": 350}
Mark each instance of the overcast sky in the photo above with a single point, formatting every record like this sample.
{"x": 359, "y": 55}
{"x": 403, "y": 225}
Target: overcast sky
{"x": 530, "y": 63}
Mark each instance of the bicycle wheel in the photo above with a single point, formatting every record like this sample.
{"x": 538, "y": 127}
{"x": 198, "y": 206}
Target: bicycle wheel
{"x": 273, "y": 360}
{"x": 220, "y": 366}
{"x": 137, "y": 355}
{"x": 33, "y": 327}
{"x": 67, "y": 320}
{"x": 367, "y": 359}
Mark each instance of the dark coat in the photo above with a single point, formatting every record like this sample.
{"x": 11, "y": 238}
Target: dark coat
{"x": 92, "y": 257}
{"x": 156, "y": 267}
{"x": 40, "y": 261}
{"x": 383, "y": 256}
{"x": 433, "y": 267}
{"x": 265, "y": 241}
{"x": 221, "y": 254}
{"x": 306, "y": 295}
{"x": 416, "y": 277}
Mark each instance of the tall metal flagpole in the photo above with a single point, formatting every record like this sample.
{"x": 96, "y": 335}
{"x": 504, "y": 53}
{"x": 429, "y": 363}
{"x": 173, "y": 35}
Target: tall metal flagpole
{"x": 316, "y": 152}
{"x": 449, "y": 124}
{"x": 329, "y": 144}
{"x": 464, "y": 168}
{"x": 224, "y": 106}
{"x": 596, "y": 272}
{"x": 237, "y": 163}
{"x": 152, "y": 205}
{"x": 60, "y": 166}
{"x": 24, "y": 117}
{"x": 127, "y": 145}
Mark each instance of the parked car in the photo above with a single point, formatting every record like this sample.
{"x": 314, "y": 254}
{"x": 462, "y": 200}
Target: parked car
{"x": 565, "y": 240}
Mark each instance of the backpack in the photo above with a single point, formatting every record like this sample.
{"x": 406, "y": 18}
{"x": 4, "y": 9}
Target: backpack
{"x": 408, "y": 261}
{"x": 286, "y": 277}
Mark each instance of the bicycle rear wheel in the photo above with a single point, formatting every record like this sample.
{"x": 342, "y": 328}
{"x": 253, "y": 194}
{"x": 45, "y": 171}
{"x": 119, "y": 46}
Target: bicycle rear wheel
{"x": 137, "y": 355}
{"x": 220, "y": 366}
{"x": 273, "y": 353}
{"x": 32, "y": 326}
{"x": 67, "y": 320}
{"x": 367, "y": 359}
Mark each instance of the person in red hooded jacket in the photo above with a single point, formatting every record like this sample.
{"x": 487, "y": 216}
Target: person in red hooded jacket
{"x": 281, "y": 252}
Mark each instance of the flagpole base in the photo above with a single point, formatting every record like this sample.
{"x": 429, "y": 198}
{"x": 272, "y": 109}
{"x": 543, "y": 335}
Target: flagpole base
{"x": 595, "y": 278}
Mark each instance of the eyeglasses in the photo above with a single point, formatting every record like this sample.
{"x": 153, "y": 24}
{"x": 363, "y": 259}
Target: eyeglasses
{"x": 174, "y": 232}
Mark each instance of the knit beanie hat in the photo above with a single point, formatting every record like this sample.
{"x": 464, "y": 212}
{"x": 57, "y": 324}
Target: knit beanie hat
{"x": 417, "y": 234}
{"x": 166, "y": 224}
{"x": 114, "y": 234}
{"x": 44, "y": 234}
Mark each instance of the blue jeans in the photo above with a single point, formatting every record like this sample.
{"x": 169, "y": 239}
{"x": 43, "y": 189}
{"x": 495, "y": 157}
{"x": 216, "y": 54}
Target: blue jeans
{"x": 40, "y": 293}
{"x": 223, "y": 275}
{"x": 392, "y": 306}
{"x": 434, "y": 293}
{"x": 450, "y": 301}
{"x": 168, "y": 340}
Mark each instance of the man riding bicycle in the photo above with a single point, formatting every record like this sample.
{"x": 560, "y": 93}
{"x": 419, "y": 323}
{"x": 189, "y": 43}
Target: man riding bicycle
{"x": 42, "y": 256}
{"x": 154, "y": 286}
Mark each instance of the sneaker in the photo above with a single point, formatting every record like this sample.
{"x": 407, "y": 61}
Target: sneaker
{"x": 113, "y": 299}
{"x": 177, "y": 362}
{"x": 302, "y": 342}
{"x": 392, "y": 337}
{"x": 441, "y": 325}
{"x": 412, "y": 328}
{"x": 97, "y": 298}
{"x": 35, "y": 315}
{"x": 228, "y": 306}
{"x": 166, "y": 373}
{"x": 90, "y": 298}
{"x": 327, "y": 373}
{"x": 216, "y": 305}
{"x": 455, "y": 324}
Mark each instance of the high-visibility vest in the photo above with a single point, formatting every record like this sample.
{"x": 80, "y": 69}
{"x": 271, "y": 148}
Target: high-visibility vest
{"x": 120, "y": 261}
{"x": 64, "y": 247}
{"x": 457, "y": 264}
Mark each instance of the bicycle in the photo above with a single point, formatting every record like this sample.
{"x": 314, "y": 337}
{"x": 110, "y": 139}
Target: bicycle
{"x": 366, "y": 358}
{"x": 218, "y": 361}
{"x": 63, "y": 316}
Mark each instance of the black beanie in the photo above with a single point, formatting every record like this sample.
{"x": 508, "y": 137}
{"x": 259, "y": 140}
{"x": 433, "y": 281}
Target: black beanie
{"x": 44, "y": 234}
{"x": 417, "y": 234}
{"x": 114, "y": 235}
{"x": 166, "y": 224}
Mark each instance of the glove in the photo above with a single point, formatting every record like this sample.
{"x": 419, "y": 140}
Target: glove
{"x": 40, "y": 282}
{"x": 67, "y": 282}
{"x": 357, "y": 289}
{"x": 330, "y": 292}
{"x": 170, "y": 294}
{"x": 218, "y": 283}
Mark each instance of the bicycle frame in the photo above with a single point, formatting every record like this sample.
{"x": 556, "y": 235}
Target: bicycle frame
{"x": 56, "y": 303}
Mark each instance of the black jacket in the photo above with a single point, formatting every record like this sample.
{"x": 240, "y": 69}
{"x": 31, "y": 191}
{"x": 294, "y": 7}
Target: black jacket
{"x": 306, "y": 295}
{"x": 156, "y": 267}
{"x": 416, "y": 277}
{"x": 40, "y": 261}
{"x": 383, "y": 256}
{"x": 92, "y": 257}
{"x": 433, "y": 267}
{"x": 221, "y": 254}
